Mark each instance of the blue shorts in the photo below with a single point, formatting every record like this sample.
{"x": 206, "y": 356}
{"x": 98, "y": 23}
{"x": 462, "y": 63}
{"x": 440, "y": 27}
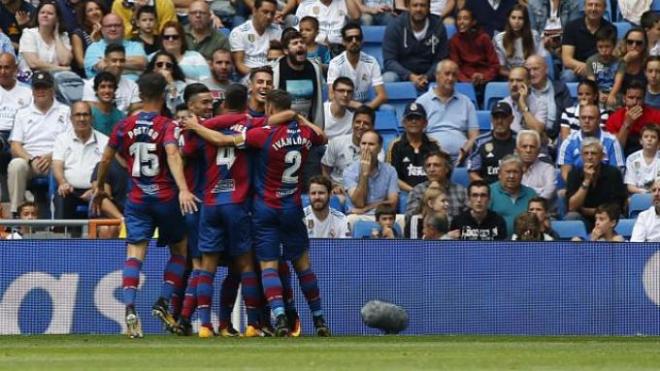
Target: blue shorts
{"x": 142, "y": 219}
{"x": 192, "y": 227}
{"x": 225, "y": 228}
{"x": 275, "y": 227}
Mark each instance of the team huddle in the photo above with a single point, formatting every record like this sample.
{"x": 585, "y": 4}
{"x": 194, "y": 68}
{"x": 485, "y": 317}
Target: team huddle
{"x": 244, "y": 173}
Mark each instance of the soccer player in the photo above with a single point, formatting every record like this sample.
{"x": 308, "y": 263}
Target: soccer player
{"x": 146, "y": 141}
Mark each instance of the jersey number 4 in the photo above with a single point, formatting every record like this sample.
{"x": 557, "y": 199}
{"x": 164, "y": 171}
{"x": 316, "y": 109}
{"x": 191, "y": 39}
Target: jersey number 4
{"x": 145, "y": 160}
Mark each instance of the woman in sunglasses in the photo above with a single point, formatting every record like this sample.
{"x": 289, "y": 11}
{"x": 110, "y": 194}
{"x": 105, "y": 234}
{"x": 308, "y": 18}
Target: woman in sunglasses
{"x": 193, "y": 64}
{"x": 165, "y": 64}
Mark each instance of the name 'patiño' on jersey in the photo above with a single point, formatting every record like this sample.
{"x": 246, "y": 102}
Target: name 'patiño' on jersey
{"x": 139, "y": 130}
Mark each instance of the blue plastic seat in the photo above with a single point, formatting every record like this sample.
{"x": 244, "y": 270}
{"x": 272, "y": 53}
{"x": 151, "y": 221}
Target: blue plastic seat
{"x": 388, "y": 137}
{"x": 335, "y": 202}
{"x": 621, "y": 29}
{"x": 567, "y": 229}
{"x": 655, "y": 5}
{"x": 451, "y": 30}
{"x": 399, "y": 94}
{"x": 625, "y": 227}
{"x": 638, "y": 203}
{"x": 467, "y": 89}
{"x": 460, "y": 176}
{"x": 386, "y": 120}
{"x": 373, "y": 34}
{"x": 375, "y": 51}
{"x": 551, "y": 66}
{"x": 363, "y": 228}
{"x": 403, "y": 202}
{"x": 495, "y": 92}
{"x": 484, "y": 121}
{"x": 572, "y": 90}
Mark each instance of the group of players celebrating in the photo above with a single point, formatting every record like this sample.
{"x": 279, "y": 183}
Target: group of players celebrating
{"x": 245, "y": 172}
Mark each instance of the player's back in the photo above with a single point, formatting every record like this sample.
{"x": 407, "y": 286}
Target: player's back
{"x": 140, "y": 139}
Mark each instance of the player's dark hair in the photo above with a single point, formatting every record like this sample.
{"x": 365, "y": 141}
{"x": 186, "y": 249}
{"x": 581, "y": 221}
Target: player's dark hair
{"x": 146, "y": 9}
{"x": 104, "y": 76}
{"x": 606, "y": 34}
{"x": 384, "y": 209}
{"x": 264, "y": 69}
{"x": 259, "y": 3}
{"x": 312, "y": 20}
{"x": 366, "y": 110}
{"x": 192, "y": 90}
{"x": 114, "y": 48}
{"x": 649, "y": 19}
{"x": 152, "y": 86}
{"x": 322, "y": 180}
{"x": 180, "y": 107}
{"x": 635, "y": 85}
{"x": 613, "y": 211}
{"x": 538, "y": 200}
{"x": 380, "y": 137}
{"x": 288, "y": 35}
{"x": 478, "y": 183}
{"x": 279, "y": 99}
{"x": 445, "y": 157}
{"x": 343, "y": 80}
{"x": 350, "y": 26}
{"x": 236, "y": 97}
{"x": 27, "y": 204}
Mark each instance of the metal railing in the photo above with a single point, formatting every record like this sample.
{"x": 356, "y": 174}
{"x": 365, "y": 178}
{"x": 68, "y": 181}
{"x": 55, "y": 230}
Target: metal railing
{"x": 58, "y": 228}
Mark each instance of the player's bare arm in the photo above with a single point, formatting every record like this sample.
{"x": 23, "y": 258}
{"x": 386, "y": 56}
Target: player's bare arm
{"x": 99, "y": 188}
{"x": 187, "y": 200}
{"x": 302, "y": 120}
{"x": 216, "y": 138}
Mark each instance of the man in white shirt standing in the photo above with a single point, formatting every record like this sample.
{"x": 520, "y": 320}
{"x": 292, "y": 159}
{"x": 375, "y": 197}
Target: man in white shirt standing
{"x": 338, "y": 119}
{"x": 33, "y": 137}
{"x": 251, "y": 40}
{"x": 647, "y": 225}
{"x": 321, "y": 220}
{"x": 75, "y": 154}
{"x": 13, "y": 96}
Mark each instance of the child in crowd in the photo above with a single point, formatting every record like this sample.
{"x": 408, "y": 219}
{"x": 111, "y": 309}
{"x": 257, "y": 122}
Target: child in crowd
{"x": 602, "y": 67}
{"x": 643, "y": 166}
{"x": 527, "y": 227}
{"x": 652, "y": 72}
{"x": 26, "y": 211}
{"x": 275, "y": 51}
{"x": 309, "y": 29}
{"x": 607, "y": 216}
{"x": 435, "y": 201}
{"x": 650, "y": 22}
{"x": 145, "y": 26}
{"x": 385, "y": 217}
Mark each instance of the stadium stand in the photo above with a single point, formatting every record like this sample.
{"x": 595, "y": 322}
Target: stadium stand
{"x": 484, "y": 121}
{"x": 460, "y": 176}
{"x": 638, "y": 203}
{"x": 624, "y": 227}
{"x": 567, "y": 229}
{"x": 399, "y": 94}
{"x": 363, "y": 228}
{"x": 495, "y": 91}
{"x": 621, "y": 29}
{"x": 467, "y": 89}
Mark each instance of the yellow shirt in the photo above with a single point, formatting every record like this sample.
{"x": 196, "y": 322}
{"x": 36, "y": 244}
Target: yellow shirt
{"x": 165, "y": 12}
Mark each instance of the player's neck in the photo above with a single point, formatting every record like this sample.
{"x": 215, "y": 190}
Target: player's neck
{"x": 152, "y": 106}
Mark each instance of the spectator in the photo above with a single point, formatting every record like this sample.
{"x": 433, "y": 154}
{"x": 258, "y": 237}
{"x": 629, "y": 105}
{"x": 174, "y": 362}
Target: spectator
{"x": 436, "y": 227}
{"x": 275, "y": 52}
{"x": 553, "y": 94}
{"x": 527, "y": 227}
{"x": 435, "y": 201}
{"x": 539, "y": 207}
{"x": 332, "y": 16}
{"x": 15, "y": 16}
{"x": 386, "y": 219}
{"x": 322, "y": 220}
{"x": 75, "y": 154}
{"x": 27, "y": 211}
{"x": 492, "y": 16}
{"x": 33, "y": 136}
{"x": 68, "y": 10}
{"x": 338, "y": 118}
{"x": 538, "y": 172}
{"x": 360, "y": 67}
{"x": 13, "y": 95}
{"x": 490, "y": 148}
{"x": 529, "y": 111}
{"x": 250, "y": 41}
{"x": 438, "y": 167}
{"x": 261, "y": 82}
{"x": 105, "y": 114}
{"x": 473, "y": 52}
{"x": 650, "y": 22}
{"x": 344, "y": 150}
{"x": 113, "y": 33}
{"x": 369, "y": 181}
{"x": 166, "y": 64}
{"x": 647, "y": 225}
{"x": 652, "y": 71}
{"x": 606, "y": 218}
{"x": 46, "y": 47}
{"x": 587, "y": 94}
{"x": 200, "y": 34}
{"x": 192, "y": 63}
{"x": 146, "y": 30}
{"x": 569, "y": 154}
{"x": 452, "y": 118}
{"x": 633, "y": 57}
{"x": 5, "y": 44}
{"x": 602, "y": 67}
{"x": 518, "y": 41}
{"x": 408, "y": 57}
{"x": 407, "y": 153}
{"x": 549, "y": 18}
{"x": 579, "y": 41}
{"x": 127, "y": 95}
{"x": 479, "y": 222}
{"x": 126, "y": 10}
{"x": 627, "y": 122}
{"x": 89, "y": 15}
{"x": 222, "y": 69}
{"x": 309, "y": 29}
{"x": 376, "y": 12}
{"x": 585, "y": 185}
{"x": 643, "y": 166}
{"x": 509, "y": 198}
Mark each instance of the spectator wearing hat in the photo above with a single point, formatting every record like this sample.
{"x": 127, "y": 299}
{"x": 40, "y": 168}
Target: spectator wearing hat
{"x": 491, "y": 147}
{"x": 33, "y": 136}
{"x": 407, "y": 152}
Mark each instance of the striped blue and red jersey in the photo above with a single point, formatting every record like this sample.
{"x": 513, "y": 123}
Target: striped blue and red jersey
{"x": 228, "y": 176}
{"x": 194, "y": 168}
{"x": 283, "y": 150}
{"x": 141, "y": 140}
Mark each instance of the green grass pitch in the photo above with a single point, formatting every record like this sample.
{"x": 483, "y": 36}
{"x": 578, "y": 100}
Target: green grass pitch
{"x": 82, "y": 352}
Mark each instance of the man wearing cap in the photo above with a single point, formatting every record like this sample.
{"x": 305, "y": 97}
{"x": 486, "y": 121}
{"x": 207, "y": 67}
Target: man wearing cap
{"x": 407, "y": 152}
{"x": 490, "y": 148}
{"x": 33, "y": 136}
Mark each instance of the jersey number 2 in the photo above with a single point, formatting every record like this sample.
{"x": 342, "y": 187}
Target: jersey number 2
{"x": 292, "y": 160}
{"x": 145, "y": 160}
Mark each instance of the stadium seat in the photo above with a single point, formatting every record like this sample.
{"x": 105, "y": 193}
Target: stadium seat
{"x": 572, "y": 90}
{"x": 567, "y": 229}
{"x": 363, "y": 228}
{"x": 399, "y": 94}
{"x": 638, "y": 203}
{"x": 386, "y": 121}
{"x": 484, "y": 121}
{"x": 495, "y": 91}
{"x": 460, "y": 176}
{"x": 451, "y": 30}
{"x": 655, "y": 5}
{"x": 468, "y": 89}
{"x": 403, "y": 202}
{"x": 388, "y": 137}
{"x": 373, "y": 34}
{"x": 625, "y": 227}
{"x": 621, "y": 29}
{"x": 375, "y": 51}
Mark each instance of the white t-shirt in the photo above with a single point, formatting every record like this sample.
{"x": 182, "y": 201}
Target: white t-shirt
{"x": 331, "y": 18}
{"x": 20, "y": 96}
{"x": 37, "y": 131}
{"x": 31, "y": 41}
{"x": 639, "y": 173}
{"x": 437, "y": 6}
{"x": 647, "y": 227}
{"x": 337, "y": 126}
{"x": 79, "y": 158}
{"x": 246, "y": 39}
{"x": 126, "y": 94}
{"x": 334, "y": 226}
{"x": 364, "y": 75}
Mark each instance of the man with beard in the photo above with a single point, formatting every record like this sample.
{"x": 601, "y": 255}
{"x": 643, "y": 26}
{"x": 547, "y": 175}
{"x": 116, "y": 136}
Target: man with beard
{"x": 222, "y": 67}
{"x": 321, "y": 220}
{"x": 261, "y": 83}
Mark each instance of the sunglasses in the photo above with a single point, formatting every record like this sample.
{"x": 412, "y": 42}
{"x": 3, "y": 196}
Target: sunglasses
{"x": 167, "y": 65}
{"x": 170, "y": 37}
{"x": 635, "y": 42}
{"x": 353, "y": 38}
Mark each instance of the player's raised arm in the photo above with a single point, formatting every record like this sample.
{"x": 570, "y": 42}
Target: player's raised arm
{"x": 216, "y": 138}
{"x": 186, "y": 199}
{"x": 302, "y": 120}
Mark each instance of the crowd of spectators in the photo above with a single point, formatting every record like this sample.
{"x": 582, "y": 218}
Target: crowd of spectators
{"x": 68, "y": 71}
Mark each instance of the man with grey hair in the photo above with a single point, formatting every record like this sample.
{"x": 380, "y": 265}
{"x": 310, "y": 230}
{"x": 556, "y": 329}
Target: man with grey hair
{"x": 509, "y": 198}
{"x": 647, "y": 225}
{"x": 538, "y": 172}
{"x": 593, "y": 184}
